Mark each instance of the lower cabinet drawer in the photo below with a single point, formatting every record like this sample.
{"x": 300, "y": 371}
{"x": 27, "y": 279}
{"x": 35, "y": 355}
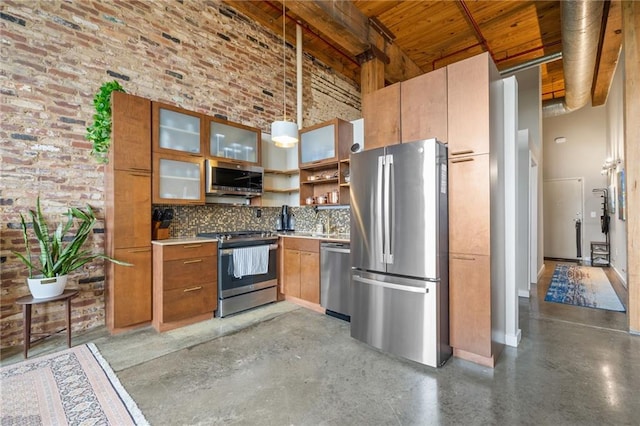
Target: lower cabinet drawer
{"x": 181, "y": 303}
{"x": 182, "y": 272}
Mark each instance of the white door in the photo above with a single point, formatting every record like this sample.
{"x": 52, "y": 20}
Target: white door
{"x": 562, "y": 218}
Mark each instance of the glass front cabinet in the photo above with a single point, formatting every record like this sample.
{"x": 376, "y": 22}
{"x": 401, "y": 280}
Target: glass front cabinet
{"x": 178, "y": 179}
{"x": 177, "y": 130}
{"x": 323, "y": 161}
{"x": 326, "y": 142}
{"x": 233, "y": 142}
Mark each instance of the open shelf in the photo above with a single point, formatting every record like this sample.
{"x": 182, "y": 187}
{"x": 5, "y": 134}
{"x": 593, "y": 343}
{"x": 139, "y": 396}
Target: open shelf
{"x": 291, "y": 172}
{"x": 280, "y": 191}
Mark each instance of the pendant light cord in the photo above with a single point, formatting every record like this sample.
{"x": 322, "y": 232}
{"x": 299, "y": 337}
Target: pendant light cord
{"x": 284, "y": 63}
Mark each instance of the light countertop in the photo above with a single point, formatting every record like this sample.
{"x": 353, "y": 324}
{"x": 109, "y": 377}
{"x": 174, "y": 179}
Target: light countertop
{"x": 185, "y": 240}
{"x": 336, "y": 237}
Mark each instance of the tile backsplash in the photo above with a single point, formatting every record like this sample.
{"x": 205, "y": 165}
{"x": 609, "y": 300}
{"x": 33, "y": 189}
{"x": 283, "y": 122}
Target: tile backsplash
{"x": 190, "y": 220}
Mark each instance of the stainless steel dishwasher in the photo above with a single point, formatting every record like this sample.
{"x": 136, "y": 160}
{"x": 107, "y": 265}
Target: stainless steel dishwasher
{"x": 335, "y": 277}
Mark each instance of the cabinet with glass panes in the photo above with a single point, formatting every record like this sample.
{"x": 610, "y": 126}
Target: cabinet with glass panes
{"x": 233, "y": 142}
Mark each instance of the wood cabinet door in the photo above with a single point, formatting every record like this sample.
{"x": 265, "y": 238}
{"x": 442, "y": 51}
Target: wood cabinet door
{"x": 469, "y": 205}
{"x": 310, "y": 276}
{"x": 130, "y": 223}
{"x": 131, "y": 132}
{"x": 468, "y": 106}
{"x": 381, "y": 113}
{"x": 131, "y": 287}
{"x": 424, "y": 107}
{"x": 291, "y": 273}
{"x": 470, "y": 303}
{"x": 187, "y": 302}
{"x": 187, "y": 272}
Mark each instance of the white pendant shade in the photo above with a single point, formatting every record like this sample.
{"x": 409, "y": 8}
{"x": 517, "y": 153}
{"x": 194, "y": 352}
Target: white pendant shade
{"x": 284, "y": 133}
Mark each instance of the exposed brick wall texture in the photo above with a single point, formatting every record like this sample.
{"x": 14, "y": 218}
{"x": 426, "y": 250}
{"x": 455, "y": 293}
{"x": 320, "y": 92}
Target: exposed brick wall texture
{"x": 200, "y": 55}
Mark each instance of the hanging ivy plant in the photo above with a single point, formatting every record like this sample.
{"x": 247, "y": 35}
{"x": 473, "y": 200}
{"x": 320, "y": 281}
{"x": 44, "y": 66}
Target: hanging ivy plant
{"x": 100, "y": 131}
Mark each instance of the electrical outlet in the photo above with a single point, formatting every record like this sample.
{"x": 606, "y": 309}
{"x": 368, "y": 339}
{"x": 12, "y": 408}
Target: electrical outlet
{"x": 258, "y": 212}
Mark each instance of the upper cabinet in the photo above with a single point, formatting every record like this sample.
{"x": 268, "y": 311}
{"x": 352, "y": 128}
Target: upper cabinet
{"x": 413, "y": 110}
{"x": 131, "y": 132}
{"x": 233, "y": 142}
{"x": 182, "y": 140}
{"x": 468, "y": 87}
{"x": 423, "y": 107}
{"x": 176, "y": 130}
{"x": 323, "y": 157}
{"x": 325, "y": 143}
{"x": 178, "y": 179}
{"x": 381, "y": 113}
{"x": 178, "y": 160}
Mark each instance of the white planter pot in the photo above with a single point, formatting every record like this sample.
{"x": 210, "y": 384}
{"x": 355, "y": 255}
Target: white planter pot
{"x": 41, "y": 288}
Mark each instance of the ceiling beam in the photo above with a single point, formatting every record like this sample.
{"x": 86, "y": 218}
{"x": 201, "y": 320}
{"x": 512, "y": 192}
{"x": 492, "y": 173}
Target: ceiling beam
{"x": 338, "y": 62}
{"x": 342, "y": 26}
{"x": 339, "y": 20}
{"x": 608, "y": 53}
{"x": 350, "y": 29}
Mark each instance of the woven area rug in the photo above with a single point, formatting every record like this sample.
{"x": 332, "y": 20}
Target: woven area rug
{"x": 72, "y": 387}
{"x": 582, "y": 286}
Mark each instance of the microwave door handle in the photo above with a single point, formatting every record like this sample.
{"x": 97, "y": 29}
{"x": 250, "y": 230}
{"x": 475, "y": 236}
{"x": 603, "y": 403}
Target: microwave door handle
{"x": 387, "y": 208}
{"x": 379, "y": 218}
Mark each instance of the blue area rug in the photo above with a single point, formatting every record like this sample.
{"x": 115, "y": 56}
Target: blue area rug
{"x": 583, "y": 286}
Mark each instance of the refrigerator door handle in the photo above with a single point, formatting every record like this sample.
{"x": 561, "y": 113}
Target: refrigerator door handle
{"x": 387, "y": 208}
{"x": 379, "y": 218}
{"x": 390, "y": 285}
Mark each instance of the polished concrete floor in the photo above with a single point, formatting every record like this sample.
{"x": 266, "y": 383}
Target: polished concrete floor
{"x": 285, "y": 365}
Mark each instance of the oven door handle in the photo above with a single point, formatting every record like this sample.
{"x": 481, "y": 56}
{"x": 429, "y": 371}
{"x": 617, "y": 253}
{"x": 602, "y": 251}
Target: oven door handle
{"x": 227, "y": 252}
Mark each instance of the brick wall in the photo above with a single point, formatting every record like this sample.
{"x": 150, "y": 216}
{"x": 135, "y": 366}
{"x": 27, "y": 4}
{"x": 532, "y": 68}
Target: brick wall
{"x": 200, "y": 55}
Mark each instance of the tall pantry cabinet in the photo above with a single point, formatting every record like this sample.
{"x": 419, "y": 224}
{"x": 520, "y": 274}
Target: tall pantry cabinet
{"x": 128, "y": 213}
{"x": 476, "y": 206}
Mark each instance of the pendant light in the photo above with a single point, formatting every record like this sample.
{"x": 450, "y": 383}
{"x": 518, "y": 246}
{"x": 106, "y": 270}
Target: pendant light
{"x": 284, "y": 133}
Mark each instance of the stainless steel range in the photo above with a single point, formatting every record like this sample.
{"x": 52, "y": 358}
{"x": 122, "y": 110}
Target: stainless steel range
{"x": 258, "y": 282}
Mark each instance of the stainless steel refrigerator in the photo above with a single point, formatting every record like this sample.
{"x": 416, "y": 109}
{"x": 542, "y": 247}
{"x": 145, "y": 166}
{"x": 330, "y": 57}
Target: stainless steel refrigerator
{"x": 399, "y": 250}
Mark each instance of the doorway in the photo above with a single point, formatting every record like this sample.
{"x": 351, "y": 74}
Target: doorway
{"x": 563, "y": 215}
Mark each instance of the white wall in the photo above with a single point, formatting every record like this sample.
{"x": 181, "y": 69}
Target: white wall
{"x": 512, "y": 217}
{"x": 530, "y": 119}
{"x": 582, "y": 156}
{"x": 615, "y": 150}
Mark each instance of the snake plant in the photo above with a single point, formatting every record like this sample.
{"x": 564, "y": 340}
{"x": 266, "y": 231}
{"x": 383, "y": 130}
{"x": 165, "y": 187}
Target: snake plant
{"x": 59, "y": 253}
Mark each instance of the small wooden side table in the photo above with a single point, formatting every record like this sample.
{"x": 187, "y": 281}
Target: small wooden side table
{"x": 28, "y": 301}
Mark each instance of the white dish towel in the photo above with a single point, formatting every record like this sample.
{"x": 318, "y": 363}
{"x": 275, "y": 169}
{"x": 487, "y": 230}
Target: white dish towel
{"x": 250, "y": 261}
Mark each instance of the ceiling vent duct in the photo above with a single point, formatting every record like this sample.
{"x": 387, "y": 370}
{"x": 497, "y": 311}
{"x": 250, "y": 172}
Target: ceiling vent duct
{"x": 581, "y": 22}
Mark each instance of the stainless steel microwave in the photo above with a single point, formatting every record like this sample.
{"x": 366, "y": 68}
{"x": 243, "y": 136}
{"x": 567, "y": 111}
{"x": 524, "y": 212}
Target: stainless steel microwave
{"x": 230, "y": 179}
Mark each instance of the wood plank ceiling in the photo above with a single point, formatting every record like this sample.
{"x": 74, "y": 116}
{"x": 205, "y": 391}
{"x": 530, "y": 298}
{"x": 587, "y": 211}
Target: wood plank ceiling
{"x": 420, "y": 36}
